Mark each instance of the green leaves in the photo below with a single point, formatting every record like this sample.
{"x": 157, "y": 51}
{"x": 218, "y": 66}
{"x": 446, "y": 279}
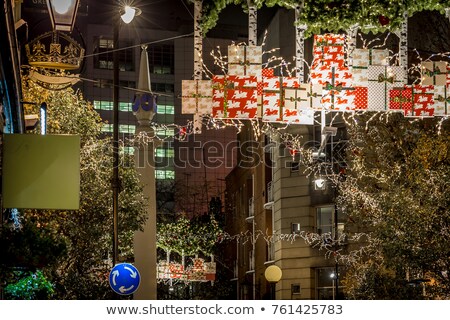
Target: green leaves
{"x": 334, "y": 16}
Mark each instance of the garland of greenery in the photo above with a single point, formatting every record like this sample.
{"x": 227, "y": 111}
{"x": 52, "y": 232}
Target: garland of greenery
{"x": 332, "y": 15}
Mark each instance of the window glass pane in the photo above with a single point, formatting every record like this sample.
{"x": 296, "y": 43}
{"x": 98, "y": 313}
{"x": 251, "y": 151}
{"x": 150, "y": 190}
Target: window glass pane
{"x": 128, "y": 150}
{"x": 127, "y": 128}
{"x": 107, "y": 127}
{"x": 125, "y": 106}
{"x": 324, "y": 219}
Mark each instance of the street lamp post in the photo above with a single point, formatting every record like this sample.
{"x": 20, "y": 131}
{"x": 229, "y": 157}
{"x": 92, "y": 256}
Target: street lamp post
{"x": 273, "y": 274}
{"x": 126, "y": 16}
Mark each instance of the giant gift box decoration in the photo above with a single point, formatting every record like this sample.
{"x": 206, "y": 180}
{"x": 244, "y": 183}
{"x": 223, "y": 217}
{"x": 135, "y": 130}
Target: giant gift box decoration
{"x": 281, "y": 101}
{"x": 441, "y": 100}
{"x": 328, "y": 50}
{"x": 244, "y": 60}
{"x": 234, "y": 97}
{"x": 249, "y": 91}
{"x": 434, "y": 73}
{"x": 413, "y": 100}
{"x": 336, "y": 87}
{"x": 381, "y": 79}
{"x": 362, "y": 59}
{"x": 196, "y": 98}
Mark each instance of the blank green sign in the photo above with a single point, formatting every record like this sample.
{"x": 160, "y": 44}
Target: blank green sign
{"x": 41, "y": 171}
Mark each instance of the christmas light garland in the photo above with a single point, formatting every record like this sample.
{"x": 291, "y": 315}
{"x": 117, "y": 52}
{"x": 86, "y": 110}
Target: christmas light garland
{"x": 334, "y": 16}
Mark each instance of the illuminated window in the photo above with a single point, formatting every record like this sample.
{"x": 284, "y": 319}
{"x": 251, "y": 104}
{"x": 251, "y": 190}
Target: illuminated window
{"x": 165, "y": 174}
{"x": 325, "y": 220}
{"x": 103, "y": 105}
{"x": 127, "y": 128}
{"x": 108, "y": 105}
{"x": 169, "y": 132}
{"x": 164, "y": 109}
{"x": 128, "y": 150}
{"x": 164, "y": 153}
{"x": 107, "y": 127}
{"x": 125, "y": 106}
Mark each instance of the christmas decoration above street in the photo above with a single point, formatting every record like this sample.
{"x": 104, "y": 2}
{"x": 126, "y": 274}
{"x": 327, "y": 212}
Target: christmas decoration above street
{"x": 197, "y": 270}
{"x": 249, "y": 91}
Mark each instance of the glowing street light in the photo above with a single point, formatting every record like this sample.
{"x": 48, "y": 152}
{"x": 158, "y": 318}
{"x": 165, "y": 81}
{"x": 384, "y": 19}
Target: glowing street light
{"x": 63, "y": 13}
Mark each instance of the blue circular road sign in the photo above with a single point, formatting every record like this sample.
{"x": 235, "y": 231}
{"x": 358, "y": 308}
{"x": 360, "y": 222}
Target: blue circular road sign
{"x": 124, "y": 278}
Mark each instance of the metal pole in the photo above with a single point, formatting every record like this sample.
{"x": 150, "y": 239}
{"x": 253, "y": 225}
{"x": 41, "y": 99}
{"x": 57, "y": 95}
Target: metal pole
{"x": 115, "y": 179}
{"x": 336, "y": 266}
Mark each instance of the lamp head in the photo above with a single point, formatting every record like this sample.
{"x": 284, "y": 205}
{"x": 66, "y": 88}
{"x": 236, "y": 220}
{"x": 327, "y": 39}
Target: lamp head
{"x": 319, "y": 184}
{"x": 128, "y": 14}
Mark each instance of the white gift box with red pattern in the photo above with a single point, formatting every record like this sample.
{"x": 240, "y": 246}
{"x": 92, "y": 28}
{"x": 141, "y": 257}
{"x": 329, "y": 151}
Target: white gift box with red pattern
{"x": 244, "y": 60}
{"x": 234, "y": 97}
{"x": 328, "y": 51}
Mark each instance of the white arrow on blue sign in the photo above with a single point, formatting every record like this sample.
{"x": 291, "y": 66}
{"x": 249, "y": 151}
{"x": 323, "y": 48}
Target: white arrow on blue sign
{"x": 124, "y": 278}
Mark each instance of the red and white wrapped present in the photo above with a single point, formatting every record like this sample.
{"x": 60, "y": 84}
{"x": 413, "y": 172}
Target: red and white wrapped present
{"x": 423, "y": 101}
{"x": 244, "y": 60}
{"x": 234, "y": 97}
{"x": 273, "y": 96}
{"x": 328, "y": 51}
{"x": 434, "y": 73}
{"x": 198, "y": 264}
{"x": 176, "y": 270}
{"x": 441, "y": 98}
{"x": 381, "y": 79}
{"x": 362, "y": 58}
{"x": 326, "y": 75}
{"x": 336, "y": 84}
{"x": 413, "y": 100}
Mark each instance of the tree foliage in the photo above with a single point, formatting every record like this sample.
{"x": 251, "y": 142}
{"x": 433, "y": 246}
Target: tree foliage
{"x": 397, "y": 190}
{"x": 332, "y": 15}
{"x": 83, "y": 272}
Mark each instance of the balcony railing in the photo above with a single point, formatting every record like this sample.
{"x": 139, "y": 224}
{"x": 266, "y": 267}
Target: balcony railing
{"x": 269, "y": 192}
{"x": 236, "y": 269}
{"x": 251, "y": 207}
{"x": 251, "y": 261}
{"x": 270, "y": 251}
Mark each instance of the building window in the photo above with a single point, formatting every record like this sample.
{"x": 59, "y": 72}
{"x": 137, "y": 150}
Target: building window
{"x": 108, "y": 106}
{"x": 128, "y": 150}
{"x": 161, "y": 59}
{"x": 325, "y": 283}
{"x": 294, "y": 166}
{"x": 163, "y": 133}
{"x": 103, "y": 105}
{"x": 165, "y": 174}
{"x": 107, "y": 127}
{"x": 125, "y": 106}
{"x": 127, "y": 128}
{"x": 165, "y": 109}
{"x": 164, "y": 153}
{"x": 325, "y": 217}
{"x": 162, "y": 87}
{"x": 103, "y": 56}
